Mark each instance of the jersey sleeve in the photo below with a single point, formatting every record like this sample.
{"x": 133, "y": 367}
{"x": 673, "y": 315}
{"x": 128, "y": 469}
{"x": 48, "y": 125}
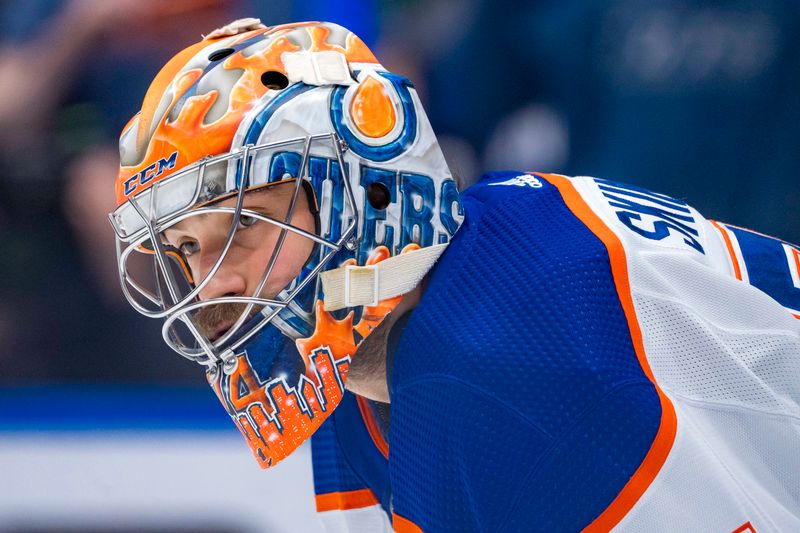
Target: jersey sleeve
{"x": 344, "y": 501}
{"x": 767, "y": 263}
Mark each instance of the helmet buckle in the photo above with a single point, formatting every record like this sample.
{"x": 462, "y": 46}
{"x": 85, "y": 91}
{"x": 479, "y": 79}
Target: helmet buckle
{"x": 366, "y": 282}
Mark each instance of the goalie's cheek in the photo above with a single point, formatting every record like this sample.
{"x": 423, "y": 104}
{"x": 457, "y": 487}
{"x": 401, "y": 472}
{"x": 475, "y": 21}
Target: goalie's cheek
{"x": 293, "y": 255}
{"x": 252, "y": 252}
{"x": 240, "y": 269}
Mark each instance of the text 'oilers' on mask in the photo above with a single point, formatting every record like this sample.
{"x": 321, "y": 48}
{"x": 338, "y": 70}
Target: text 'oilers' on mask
{"x": 272, "y": 181}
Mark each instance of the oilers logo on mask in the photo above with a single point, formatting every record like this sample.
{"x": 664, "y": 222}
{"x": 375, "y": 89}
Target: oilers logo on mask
{"x": 413, "y": 195}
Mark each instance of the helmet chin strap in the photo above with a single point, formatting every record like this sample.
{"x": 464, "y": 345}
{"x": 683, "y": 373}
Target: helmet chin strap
{"x": 352, "y": 285}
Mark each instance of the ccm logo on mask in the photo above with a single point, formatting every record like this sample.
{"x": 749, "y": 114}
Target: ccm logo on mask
{"x": 147, "y": 174}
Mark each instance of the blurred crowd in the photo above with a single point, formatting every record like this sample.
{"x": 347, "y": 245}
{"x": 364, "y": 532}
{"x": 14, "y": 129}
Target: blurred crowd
{"x": 695, "y": 99}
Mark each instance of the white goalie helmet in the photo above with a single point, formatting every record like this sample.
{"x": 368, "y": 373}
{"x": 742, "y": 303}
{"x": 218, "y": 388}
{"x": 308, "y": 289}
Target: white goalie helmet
{"x": 312, "y": 165}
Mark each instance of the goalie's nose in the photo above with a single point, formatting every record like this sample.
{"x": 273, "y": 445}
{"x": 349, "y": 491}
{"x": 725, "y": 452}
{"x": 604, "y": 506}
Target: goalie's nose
{"x": 228, "y": 280}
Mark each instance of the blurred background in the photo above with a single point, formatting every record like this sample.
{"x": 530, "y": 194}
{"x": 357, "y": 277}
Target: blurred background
{"x": 102, "y": 428}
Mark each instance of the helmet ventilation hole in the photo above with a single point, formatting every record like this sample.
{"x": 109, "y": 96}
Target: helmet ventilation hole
{"x": 274, "y": 80}
{"x": 222, "y": 53}
{"x": 378, "y": 196}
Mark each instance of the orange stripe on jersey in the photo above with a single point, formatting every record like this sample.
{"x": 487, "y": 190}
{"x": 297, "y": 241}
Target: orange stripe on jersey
{"x": 404, "y": 525}
{"x": 796, "y": 257}
{"x": 372, "y": 426}
{"x": 747, "y": 527}
{"x": 341, "y": 501}
{"x": 737, "y": 270}
{"x": 665, "y": 437}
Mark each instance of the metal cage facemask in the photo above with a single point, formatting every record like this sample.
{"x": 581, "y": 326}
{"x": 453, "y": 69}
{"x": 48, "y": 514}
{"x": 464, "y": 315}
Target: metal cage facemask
{"x": 156, "y": 276}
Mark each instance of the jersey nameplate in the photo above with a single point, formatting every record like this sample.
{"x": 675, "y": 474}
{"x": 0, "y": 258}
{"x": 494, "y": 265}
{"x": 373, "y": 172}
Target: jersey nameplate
{"x": 651, "y": 215}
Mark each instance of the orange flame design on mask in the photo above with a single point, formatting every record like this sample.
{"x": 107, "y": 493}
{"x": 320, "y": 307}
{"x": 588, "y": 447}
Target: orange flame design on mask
{"x": 249, "y": 86}
{"x": 189, "y": 134}
{"x": 354, "y": 49}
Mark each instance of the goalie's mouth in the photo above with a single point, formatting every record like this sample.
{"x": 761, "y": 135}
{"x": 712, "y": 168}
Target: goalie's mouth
{"x": 221, "y": 329}
{"x": 216, "y": 321}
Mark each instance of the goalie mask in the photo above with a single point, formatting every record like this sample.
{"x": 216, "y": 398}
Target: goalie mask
{"x": 278, "y": 193}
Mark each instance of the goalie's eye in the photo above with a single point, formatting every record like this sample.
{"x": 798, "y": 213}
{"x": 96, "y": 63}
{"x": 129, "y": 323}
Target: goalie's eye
{"x": 245, "y": 221}
{"x": 188, "y": 248}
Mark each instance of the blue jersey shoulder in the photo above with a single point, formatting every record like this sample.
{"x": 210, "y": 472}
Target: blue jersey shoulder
{"x": 494, "y": 187}
{"x": 516, "y": 363}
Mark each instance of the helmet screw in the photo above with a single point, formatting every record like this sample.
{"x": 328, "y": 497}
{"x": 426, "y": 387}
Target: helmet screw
{"x": 229, "y": 365}
{"x": 351, "y": 244}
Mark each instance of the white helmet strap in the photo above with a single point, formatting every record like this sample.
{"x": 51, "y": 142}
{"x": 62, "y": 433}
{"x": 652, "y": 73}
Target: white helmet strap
{"x": 353, "y": 285}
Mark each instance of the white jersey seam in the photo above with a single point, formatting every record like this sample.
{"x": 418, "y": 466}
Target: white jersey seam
{"x": 664, "y": 298}
{"x": 724, "y": 406}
